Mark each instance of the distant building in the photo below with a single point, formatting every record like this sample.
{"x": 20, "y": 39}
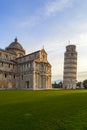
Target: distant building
{"x": 70, "y": 67}
{"x": 20, "y": 71}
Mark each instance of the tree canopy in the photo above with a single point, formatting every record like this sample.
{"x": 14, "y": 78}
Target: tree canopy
{"x": 85, "y": 83}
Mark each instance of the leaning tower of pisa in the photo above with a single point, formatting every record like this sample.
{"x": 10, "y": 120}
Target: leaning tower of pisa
{"x": 70, "y": 67}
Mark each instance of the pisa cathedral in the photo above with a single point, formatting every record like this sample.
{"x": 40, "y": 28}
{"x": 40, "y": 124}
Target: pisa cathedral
{"x": 20, "y": 71}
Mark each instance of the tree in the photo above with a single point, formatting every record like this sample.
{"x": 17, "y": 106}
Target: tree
{"x": 60, "y": 85}
{"x": 55, "y": 85}
{"x": 79, "y": 84}
{"x": 85, "y": 83}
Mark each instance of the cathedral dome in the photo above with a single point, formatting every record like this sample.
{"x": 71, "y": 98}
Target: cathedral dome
{"x": 16, "y": 47}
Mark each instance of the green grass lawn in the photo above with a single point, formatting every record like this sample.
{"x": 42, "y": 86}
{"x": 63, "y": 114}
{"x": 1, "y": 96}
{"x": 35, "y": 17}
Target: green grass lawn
{"x": 43, "y": 110}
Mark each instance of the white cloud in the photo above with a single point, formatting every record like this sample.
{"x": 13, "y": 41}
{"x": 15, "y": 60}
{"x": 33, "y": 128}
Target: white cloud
{"x": 30, "y": 21}
{"x": 83, "y": 38}
{"x": 56, "y": 5}
{"x": 82, "y": 75}
{"x": 51, "y": 7}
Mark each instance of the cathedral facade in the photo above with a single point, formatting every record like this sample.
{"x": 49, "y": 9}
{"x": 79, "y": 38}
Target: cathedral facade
{"x": 20, "y": 71}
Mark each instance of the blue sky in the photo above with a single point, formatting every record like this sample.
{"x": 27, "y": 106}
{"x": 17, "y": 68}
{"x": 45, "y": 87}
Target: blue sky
{"x": 51, "y": 23}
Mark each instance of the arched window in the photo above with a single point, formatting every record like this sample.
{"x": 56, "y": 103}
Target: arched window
{"x": 14, "y": 76}
{"x": 9, "y": 65}
{"x": 5, "y": 75}
{"x": 22, "y": 77}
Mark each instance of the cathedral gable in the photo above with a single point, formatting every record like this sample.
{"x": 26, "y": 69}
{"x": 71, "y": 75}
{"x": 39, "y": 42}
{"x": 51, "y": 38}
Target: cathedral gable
{"x": 43, "y": 56}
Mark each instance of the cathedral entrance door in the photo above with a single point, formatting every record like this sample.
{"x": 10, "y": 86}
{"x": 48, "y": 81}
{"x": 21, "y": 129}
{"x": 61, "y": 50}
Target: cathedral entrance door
{"x": 27, "y": 84}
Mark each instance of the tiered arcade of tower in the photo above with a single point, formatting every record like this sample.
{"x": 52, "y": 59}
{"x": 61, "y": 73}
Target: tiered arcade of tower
{"x": 70, "y": 67}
